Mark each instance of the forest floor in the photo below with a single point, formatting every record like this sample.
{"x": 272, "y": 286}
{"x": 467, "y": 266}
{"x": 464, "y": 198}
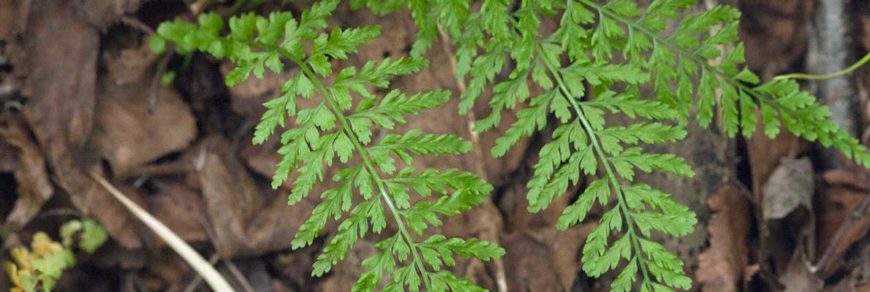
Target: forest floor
{"x": 80, "y": 92}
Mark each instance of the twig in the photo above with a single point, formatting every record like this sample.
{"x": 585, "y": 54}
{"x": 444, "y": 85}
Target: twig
{"x": 198, "y": 279}
{"x": 61, "y": 212}
{"x": 238, "y": 275}
{"x": 137, "y": 24}
{"x": 207, "y": 271}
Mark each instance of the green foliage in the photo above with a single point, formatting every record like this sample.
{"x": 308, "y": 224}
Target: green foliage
{"x": 39, "y": 267}
{"x": 593, "y": 65}
{"x": 690, "y": 68}
{"x": 376, "y": 177}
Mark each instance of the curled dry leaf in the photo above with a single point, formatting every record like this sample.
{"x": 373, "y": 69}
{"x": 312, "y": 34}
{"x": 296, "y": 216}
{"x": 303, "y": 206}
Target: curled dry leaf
{"x": 256, "y": 223}
{"x": 788, "y": 227}
{"x": 722, "y": 265}
{"x": 34, "y": 187}
{"x": 790, "y": 186}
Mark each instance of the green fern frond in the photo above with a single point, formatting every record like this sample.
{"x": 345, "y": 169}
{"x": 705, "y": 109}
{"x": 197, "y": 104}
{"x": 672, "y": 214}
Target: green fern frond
{"x": 698, "y": 63}
{"x": 334, "y": 130}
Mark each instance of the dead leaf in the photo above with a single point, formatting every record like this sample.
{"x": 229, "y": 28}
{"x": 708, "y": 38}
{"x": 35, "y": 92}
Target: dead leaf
{"x": 248, "y": 96}
{"x": 165, "y": 271}
{"x": 180, "y": 209}
{"x": 61, "y": 81}
{"x": 790, "y": 186}
{"x": 847, "y": 178}
{"x": 263, "y": 159}
{"x": 765, "y": 155}
{"x": 60, "y": 66}
{"x": 8, "y": 157}
{"x": 13, "y": 17}
{"x": 529, "y": 264}
{"x": 7, "y": 18}
{"x": 129, "y": 66}
{"x": 787, "y": 214}
{"x": 856, "y": 279}
{"x": 104, "y": 13}
{"x": 562, "y": 247}
{"x": 34, "y": 187}
{"x": 126, "y": 134}
{"x": 798, "y": 277}
{"x": 722, "y": 265}
{"x": 246, "y": 220}
{"x": 836, "y": 209}
{"x": 231, "y": 198}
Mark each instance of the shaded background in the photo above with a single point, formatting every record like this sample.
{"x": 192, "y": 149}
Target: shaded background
{"x": 80, "y": 92}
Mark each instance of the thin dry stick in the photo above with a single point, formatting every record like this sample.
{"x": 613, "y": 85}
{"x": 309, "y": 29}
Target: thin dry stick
{"x": 198, "y": 279}
{"x": 207, "y": 271}
{"x": 137, "y": 24}
{"x": 477, "y": 152}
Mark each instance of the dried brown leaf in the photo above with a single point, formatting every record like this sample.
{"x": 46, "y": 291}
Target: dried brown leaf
{"x": 127, "y": 135}
{"x": 790, "y": 186}
{"x": 722, "y": 265}
{"x": 837, "y": 214}
{"x": 34, "y": 186}
{"x": 765, "y": 155}
{"x": 246, "y": 220}
{"x": 60, "y": 66}
{"x": 799, "y": 277}
{"x": 180, "y": 209}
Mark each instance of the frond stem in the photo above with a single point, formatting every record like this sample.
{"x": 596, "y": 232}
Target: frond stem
{"x": 599, "y": 151}
{"x": 366, "y": 160}
{"x": 846, "y": 71}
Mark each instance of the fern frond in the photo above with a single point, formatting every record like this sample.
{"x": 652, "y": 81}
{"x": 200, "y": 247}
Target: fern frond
{"x": 704, "y": 47}
{"x": 369, "y": 189}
